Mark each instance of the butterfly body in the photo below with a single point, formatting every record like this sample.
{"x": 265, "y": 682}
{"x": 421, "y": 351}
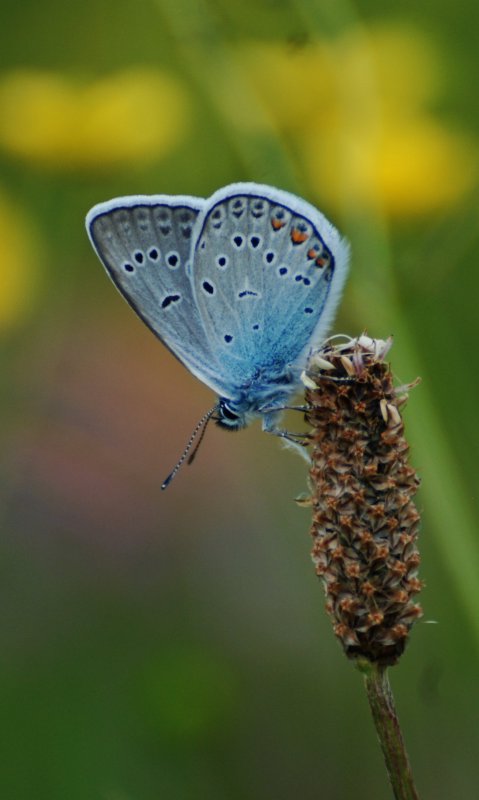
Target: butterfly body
{"x": 259, "y": 400}
{"x": 239, "y": 286}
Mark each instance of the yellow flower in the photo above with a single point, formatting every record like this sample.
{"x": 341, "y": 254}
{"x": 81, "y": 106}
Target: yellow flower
{"x": 133, "y": 116}
{"x": 356, "y": 110}
{"x": 410, "y": 167}
{"x": 18, "y": 265}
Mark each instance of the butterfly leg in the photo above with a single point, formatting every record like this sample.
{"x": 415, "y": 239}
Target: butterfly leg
{"x": 302, "y": 408}
{"x": 296, "y": 441}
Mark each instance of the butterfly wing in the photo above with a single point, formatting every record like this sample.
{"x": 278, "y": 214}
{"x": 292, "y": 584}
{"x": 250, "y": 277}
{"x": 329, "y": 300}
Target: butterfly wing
{"x": 268, "y": 269}
{"x": 145, "y": 244}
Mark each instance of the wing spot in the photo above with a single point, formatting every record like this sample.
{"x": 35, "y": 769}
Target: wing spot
{"x": 128, "y": 267}
{"x": 300, "y": 278}
{"x": 217, "y": 218}
{"x": 139, "y": 257}
{"x": 278, "y": 219}
{"x": 153, "y": 254}
{"x": 238, "y": 241}
{"x": 258, "y": 209}
{"x": 228, "y": 338}
{"x": 256, "y": 327}
{"x": 186, "y": 231}
{"x": 283, "y": 271}
{"x": 238, "y": 207}
{"x": 247, "y": 293}
{"x": 255, "y": 241}
{"x": 165, "y": 229}
{"x": 299, "y": 234}
{"x": 142, "y": 220}
{"x": 320, "y": 254}
{"x": 208, "y": 287}
{"x": 173, "y": 259}
{"x": 323, "y": 261}
{"x": 308, "y": 310}
{"x": 169, "y": 299}
{"x": 269, "y": 256}
{"x": 222, "y": 262}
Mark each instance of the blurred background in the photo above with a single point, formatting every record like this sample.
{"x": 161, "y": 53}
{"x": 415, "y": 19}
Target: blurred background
{"x": 175, "y": 644}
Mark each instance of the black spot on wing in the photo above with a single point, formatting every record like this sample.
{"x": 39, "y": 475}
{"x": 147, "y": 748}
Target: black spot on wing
{"x": 208, "y": 287}
{"x": 169, "y": 299}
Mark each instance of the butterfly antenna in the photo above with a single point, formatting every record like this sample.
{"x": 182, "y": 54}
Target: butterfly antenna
{"x": 197, "y": 445}
{"x": 201, "y": 426}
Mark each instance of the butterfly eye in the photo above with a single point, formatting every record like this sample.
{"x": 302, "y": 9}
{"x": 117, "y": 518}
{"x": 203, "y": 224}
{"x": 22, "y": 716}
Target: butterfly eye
{"x": 227, "y": 413}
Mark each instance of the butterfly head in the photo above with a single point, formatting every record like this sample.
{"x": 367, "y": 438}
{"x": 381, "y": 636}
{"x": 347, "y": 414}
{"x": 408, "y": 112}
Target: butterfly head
{"x": 233, "y": 416}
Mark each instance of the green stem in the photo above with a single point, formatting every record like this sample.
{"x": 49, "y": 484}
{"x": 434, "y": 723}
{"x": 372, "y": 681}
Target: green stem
{"x": 204, "y": 48}
{"x": 385, "y": 718}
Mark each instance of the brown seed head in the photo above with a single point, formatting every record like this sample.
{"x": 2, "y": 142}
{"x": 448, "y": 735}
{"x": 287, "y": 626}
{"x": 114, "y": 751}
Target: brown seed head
{"x": 365, "y": 523}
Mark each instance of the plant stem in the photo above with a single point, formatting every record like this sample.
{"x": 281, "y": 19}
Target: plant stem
{"x": 385, "y": 718}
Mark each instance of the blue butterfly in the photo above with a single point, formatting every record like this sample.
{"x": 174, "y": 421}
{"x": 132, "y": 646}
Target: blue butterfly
{"x": 239, "y": 286}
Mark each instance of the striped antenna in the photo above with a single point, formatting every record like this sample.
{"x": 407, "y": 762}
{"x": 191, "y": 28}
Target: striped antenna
{"x": 201, "y": 426}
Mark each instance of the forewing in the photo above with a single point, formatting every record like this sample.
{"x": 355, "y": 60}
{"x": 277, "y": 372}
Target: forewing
{"x": 145, "y": 244}
{"x": 268, "y": 270}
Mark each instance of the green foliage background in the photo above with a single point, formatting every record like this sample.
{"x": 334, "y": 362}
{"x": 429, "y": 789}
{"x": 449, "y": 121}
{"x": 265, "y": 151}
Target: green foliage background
{"x": 176, "y": 645}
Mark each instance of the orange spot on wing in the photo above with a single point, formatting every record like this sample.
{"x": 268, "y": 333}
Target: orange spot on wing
{"x": 321, "y": 262}
{"x": 298, "y": 236}
{"x": 277, "y": 224}
{"x": 312, "y": 253}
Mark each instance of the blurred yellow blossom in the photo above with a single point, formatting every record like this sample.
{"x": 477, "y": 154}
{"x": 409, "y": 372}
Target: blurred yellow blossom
{"x": 357, "y": 110}
{"x": 18, "y": 264}
{"x": 411, "y": 167}
{"x": 134, "y": 115}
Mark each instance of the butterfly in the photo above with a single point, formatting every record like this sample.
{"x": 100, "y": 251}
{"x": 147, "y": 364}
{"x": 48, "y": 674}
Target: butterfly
{"x": 238, "y": 286}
